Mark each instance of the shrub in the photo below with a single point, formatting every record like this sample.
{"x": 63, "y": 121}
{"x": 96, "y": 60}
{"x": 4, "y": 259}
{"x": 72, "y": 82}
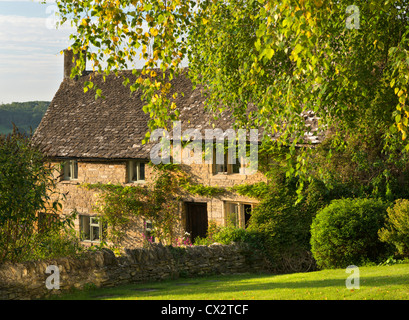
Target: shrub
{"x": 284, "y": 221}
{"x": 346, "y": 233}
{"x": 229, "y": 234}
{"x": 396, "y": 230}
{"x": 31, "y": 226}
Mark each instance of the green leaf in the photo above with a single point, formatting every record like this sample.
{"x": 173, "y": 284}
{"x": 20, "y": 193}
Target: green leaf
{"x": 268, "y": 53}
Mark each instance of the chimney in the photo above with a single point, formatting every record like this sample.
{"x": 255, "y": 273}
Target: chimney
{"x": 70, "y": 61}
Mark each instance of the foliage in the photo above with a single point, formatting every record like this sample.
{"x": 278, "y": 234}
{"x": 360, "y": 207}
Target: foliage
{"x": 285, "y": 222}
{"x": 60, "y": 241}
{"x": 117, "y": 205}
{"x": 284, "y": 58}
{"x": 257, "y": 190}
{"x": 396, "y": 230}
{"x": 358, "y": 166}
{"x": 222, "y": 235}
{"x": 346, "y": 233}
{"x": 201, "y": 190}
{"x": 25, "y": 115}
{"x": 183, "y": 241}
{"x": 231, "y": 234}
{"x": 211, "y": 236}
{"x": 27, "y": 197}
{"x": 120, "y": 206}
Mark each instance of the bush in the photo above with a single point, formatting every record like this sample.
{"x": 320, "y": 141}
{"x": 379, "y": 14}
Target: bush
{"x": 284, "y": 221}
{"x": 30, "y": 224}
{"x": 396, "y": 230}
{"x": 230, "y": 234}
{"x": 346, "y": 233}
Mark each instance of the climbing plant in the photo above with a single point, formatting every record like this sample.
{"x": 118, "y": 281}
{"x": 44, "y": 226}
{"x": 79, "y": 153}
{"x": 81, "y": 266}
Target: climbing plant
{"x": 120, "y": 206}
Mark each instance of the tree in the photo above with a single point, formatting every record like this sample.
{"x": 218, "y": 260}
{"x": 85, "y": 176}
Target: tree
{"x": 28, "y": 203}
{"x": 347, "y": 64}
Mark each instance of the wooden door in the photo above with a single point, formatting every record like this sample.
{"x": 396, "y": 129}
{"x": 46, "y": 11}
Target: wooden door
{"x": 196, "y": 220}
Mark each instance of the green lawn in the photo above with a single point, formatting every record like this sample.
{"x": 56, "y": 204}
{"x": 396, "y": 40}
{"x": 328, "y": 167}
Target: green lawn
{"x": 385, "y": 282}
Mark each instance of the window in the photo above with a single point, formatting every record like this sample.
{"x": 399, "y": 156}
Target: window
{"x": 91, "y": 228}
{"x": 238, "y": 214}
{"x": 148, "y": 231}
{"x": 233, "y": 214}
{"x": 221, "y": 168}
{"x": 226, "y": 167}
{"x": 136, "y": 171}
{"x": 70, "y": 170}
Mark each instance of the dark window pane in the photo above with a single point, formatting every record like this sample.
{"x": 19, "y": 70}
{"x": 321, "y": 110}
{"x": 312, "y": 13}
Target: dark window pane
{"x": 85, "y": 228}
{"x": 142, "y": 171}
{"x": 134, "y": 171}
{"x": 74, "y": 169}
{"x": 95, "y": 233}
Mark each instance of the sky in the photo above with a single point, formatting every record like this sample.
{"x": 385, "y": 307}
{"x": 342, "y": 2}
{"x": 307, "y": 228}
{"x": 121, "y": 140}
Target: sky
{"x": 31, "y": 66}
{"x": 31, "y": 63}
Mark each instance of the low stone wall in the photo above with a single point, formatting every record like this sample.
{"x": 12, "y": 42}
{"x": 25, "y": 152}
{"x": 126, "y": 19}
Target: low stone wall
{"x": 101, "y": 268}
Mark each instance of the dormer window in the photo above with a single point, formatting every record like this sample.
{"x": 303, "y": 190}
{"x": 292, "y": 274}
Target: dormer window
{"x": 70, "y": 170}
{"x": 136, "y": 171}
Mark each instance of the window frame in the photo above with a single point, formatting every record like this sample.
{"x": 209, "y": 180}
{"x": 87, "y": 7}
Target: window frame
{"x": 239, "y": 213}
{"x": 91, "y": 224}
{"x": 70, "y": 170}
{"x": 131, "y": 165}
{"x": 228, "y": 168}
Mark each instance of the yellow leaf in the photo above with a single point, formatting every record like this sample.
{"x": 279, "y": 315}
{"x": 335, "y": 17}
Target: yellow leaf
{"x": 154, "y": 32}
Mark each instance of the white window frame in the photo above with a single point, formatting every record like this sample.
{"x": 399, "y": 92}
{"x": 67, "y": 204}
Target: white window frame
{"x": 133, "y": 165}
{"x": 234, "y": 213}
{"x": 70, "y": 170}
{"x": 94, "y": 221}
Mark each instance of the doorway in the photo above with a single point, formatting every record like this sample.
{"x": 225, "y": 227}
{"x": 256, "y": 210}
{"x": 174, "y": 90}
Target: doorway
{"x": 196, "y": 220}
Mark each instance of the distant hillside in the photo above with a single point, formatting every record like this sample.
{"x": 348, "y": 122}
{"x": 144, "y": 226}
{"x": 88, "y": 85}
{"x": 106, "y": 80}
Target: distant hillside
{"x": 24, "y": 115}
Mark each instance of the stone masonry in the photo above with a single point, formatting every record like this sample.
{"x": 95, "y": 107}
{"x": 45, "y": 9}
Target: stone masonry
{"x": 103, "y": 269}
{"x": 83, "y": 201}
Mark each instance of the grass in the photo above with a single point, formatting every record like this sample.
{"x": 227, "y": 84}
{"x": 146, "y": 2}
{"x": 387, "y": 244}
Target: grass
{"x": 376, "y": 283}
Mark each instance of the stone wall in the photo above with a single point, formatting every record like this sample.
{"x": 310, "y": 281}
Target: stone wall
{"x": 103, "y": 269}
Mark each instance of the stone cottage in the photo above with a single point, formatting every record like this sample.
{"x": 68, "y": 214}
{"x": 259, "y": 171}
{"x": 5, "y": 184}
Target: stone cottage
{"x": 99, "y": 141}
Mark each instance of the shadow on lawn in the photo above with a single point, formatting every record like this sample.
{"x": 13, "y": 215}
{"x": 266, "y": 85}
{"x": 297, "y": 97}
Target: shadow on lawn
{"x": 212, "y": 287}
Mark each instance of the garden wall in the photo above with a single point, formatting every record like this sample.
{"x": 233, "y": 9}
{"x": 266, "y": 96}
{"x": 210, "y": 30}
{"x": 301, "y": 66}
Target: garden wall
{"x": 103, "y": 269}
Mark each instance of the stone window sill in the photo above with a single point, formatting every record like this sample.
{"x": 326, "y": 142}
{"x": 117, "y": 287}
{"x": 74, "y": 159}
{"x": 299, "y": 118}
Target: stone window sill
{"x": 76, "y": 182}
